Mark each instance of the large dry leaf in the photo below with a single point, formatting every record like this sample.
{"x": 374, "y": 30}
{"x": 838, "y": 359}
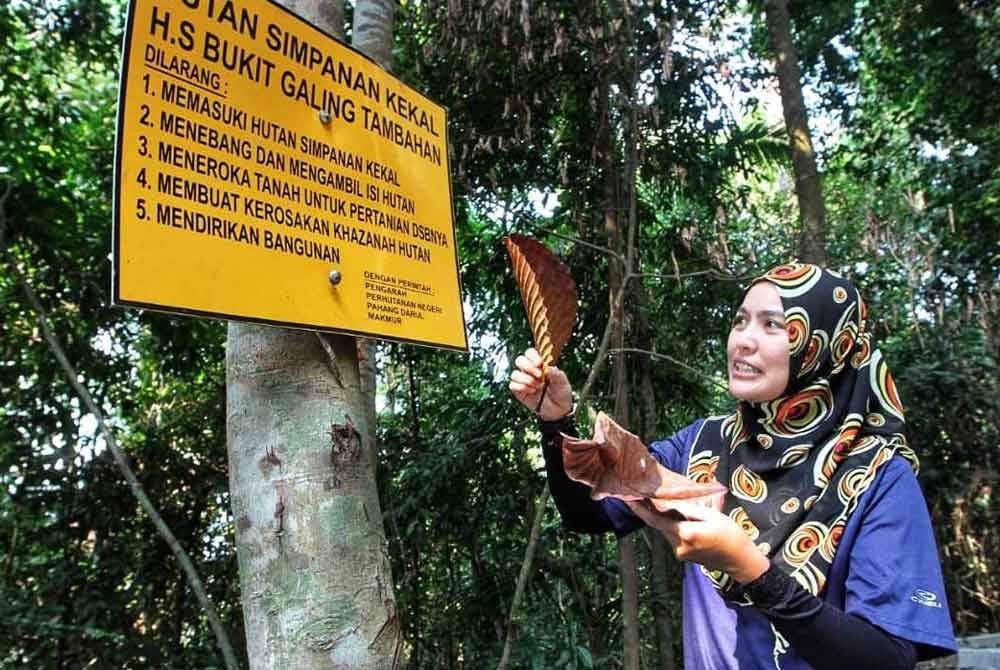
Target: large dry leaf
{"x": 548, "y": 291}
{"x": 615, "y": 463}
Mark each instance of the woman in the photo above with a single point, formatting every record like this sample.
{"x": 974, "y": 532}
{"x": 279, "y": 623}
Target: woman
{"x": 823, "y": 554}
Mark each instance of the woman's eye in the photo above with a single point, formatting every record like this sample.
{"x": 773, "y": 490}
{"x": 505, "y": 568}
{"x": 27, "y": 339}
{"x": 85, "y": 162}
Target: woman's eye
{"x": 771, "y": 323}
{"x": 739, "y": 320}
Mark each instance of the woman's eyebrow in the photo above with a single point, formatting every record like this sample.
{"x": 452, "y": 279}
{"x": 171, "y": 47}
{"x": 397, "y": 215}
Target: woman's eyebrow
{"x": 764, "y": 313}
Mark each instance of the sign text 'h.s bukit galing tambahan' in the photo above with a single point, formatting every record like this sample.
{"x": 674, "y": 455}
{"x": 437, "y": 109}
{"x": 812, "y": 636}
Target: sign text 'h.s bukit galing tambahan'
{"x": 266, "y": 172}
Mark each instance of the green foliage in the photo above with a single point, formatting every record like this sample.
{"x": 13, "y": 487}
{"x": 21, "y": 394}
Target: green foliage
{"x": 86, "y": 580}
{"x": 912, "y": 192}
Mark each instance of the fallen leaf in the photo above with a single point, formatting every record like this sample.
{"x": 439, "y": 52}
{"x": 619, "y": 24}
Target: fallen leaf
{"x": 615, "y": 463}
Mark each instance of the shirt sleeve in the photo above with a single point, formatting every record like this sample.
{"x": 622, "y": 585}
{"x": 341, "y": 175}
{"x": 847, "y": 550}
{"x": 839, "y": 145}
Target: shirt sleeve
{"x": 579, "y": 513}
{"x": 825, "y": 637}
{"x": 894, "y": 579}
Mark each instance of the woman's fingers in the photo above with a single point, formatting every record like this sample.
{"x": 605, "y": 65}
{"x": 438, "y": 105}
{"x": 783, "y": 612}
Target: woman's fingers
{"x": 557, "y": 377}
{"x": 525, "y": 364}
{"x": 661, "y": 522}
{"x": 530, "y": 377}
{"x": 693, "y": 512}
{"x": 524, "y": 379}
{"x": 525, "y": 392}
{"x": 519, "y": 390}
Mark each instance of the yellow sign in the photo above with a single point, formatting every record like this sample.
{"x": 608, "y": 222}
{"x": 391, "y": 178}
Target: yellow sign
{"x": 266, "y": 172}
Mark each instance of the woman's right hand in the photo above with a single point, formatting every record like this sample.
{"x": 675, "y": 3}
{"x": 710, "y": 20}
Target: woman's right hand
{"x": 527, "y": 381}
{"x": 704, "y": 535}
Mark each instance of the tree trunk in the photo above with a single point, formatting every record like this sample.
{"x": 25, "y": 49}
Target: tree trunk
{"x": 373, "y": 30}
{"x": 327, "y": 15}
{"x": 812, "y": 212}
{"x": 630, "y": 603}
{"x": 626, "y": 545}
{"x": 661, "y": 569}
{"x": 316, "y": 583}
{"x": 372, "y": 36}
{"x": 661, "y": 564}
{"x": 616, "y": 312}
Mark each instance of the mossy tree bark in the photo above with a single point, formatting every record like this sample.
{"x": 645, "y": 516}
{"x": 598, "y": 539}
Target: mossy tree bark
{"x": 315, "y": 579}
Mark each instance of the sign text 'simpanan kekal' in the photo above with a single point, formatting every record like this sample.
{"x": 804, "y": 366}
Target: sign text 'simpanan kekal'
{"x": 266, "y": 172}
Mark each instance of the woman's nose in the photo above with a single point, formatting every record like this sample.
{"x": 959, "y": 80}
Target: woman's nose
{"x": 746, "y": 339}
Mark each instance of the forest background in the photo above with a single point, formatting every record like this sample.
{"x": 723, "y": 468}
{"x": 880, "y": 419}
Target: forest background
{"x": 664, "y": 117}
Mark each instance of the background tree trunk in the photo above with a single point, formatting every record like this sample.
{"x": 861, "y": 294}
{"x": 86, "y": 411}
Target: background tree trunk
{"x": 661, "y": 564}
{"x": 631, "y": 657}
{"x": 316, "y": 584}
{"x": 327, "y": 15}
{"x": 372, "y": 34}
{"x": 812, "y": 212}
{"x": 661, "y": 572}
{"x": 616, "y": 312}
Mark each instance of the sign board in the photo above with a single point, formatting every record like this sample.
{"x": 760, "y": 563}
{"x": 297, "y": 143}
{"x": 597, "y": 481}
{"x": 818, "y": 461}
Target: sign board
{"x": 256, "y": 155}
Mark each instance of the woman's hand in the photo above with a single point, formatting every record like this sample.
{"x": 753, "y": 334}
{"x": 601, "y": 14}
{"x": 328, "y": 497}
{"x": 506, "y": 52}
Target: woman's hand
{"x": 527, "y": 381}
{"x": 707, "y": 537}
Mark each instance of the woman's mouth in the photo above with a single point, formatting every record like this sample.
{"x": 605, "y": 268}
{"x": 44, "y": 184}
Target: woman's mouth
{"x": 745, "y": 369}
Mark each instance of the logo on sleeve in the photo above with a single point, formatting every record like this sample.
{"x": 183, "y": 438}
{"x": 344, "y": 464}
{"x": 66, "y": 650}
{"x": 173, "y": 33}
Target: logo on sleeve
{"x": 925, "y": 598}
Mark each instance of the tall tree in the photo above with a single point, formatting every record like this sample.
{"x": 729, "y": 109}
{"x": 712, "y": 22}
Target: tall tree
{"x": 812, "y": 212}
{"x": 317, "y": 588}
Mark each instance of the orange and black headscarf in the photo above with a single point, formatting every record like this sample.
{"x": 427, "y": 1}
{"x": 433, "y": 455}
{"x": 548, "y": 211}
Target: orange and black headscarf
{"x": 796, "y": 466}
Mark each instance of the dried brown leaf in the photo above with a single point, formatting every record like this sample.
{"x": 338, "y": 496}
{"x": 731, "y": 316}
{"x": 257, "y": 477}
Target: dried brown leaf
{"x": 548, "y": 292}
{"x": 615, "y": 463}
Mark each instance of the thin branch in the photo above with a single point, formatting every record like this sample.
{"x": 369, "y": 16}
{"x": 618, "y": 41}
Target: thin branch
{"x": 677, "y": 268}
{"x": 590, "y": 245}
{"x": 9, "y": 187}
{"x": 714, "y": 274}
{"x": 331, "y": 358}
{"x": 677, "y": 276}
{"x": 194, "y": 581}
{"x": 602, "y": 349}
{"x": 12, "y": 545}
{"x": 522, "y": 577}
{"x": 666, "y": 357}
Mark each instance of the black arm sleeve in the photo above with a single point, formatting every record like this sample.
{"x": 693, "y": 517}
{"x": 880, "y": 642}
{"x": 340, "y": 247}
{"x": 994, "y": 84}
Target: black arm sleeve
{"x": 578, "y": 512}
{"x": 826, "y": 637}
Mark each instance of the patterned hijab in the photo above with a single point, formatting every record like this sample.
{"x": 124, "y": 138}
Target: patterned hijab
{"x": 796, "y": 466}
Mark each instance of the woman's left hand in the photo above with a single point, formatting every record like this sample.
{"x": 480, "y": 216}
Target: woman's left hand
{"x": 707, "y": 537}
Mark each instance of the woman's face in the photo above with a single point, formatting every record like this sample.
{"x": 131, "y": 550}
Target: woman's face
{"x": 757, "y": 350}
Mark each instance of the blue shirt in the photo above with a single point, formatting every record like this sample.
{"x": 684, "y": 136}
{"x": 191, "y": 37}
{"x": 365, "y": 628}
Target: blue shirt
{"x": 886, "y": 571}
